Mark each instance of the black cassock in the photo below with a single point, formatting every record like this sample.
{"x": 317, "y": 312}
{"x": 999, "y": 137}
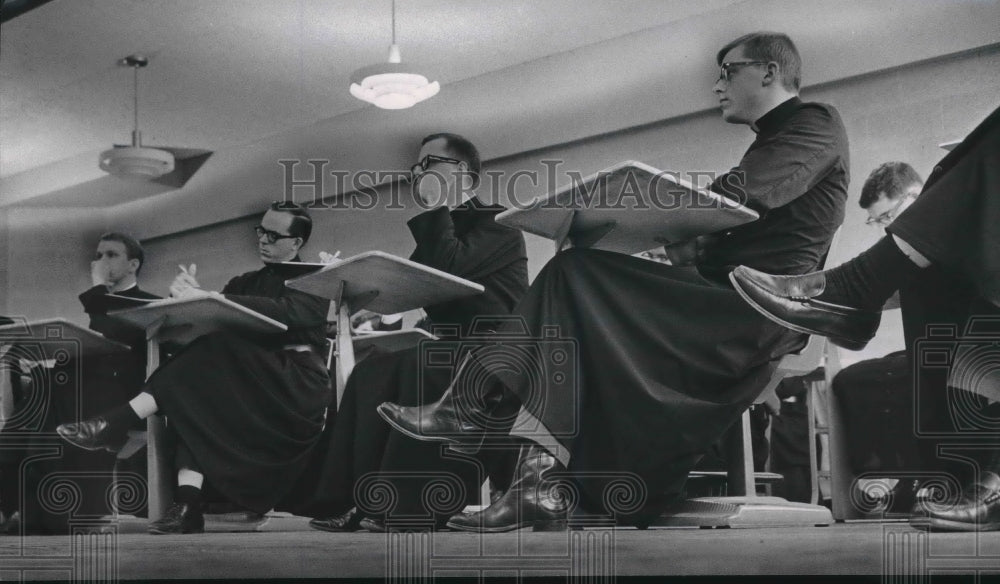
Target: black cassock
{"x": 955, "y": 222}
{"x": 668, "y": 357}
{"x": 246, "y": 409}
{"x": 468, "y": 243}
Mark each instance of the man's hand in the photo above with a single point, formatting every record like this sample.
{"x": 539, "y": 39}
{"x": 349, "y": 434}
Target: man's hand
{"x": 684, "y": 253}
{"x": 192, "y": 293}
{"x": 327, "y": 258}
{"x": 185, "y": 281}
{"x": 432, "y": 190}
{"x": 99, "y": 274}
{"x": 690, "y": 252}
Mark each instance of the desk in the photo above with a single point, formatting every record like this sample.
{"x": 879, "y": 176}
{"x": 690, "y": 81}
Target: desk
{"x": 54, "y": 339}
{"x": 382, "y": 283}
{"x": 628, "y": 208}
{"x": 392, "y": 341}
{"x": 183, "y": 321}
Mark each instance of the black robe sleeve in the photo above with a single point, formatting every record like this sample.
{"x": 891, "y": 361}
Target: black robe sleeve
{"x": 265, "y": 292}
{"x": 97, "y": 303}
{"x": 470, "y": 255}
{"x": 470, "y": 244}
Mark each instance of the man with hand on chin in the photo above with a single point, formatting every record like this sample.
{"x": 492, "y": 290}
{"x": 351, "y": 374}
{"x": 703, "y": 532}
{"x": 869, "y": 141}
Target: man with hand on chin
{"x": 244, "y": 412}
{"x": 103, "y": 380}
{"x": 456, "y": 233}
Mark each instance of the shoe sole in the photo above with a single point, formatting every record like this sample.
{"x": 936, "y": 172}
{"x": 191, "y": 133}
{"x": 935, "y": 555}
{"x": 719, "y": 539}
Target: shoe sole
{"x": 334, "y": 529}
{"x": 849, "y": 344}
{"x": 556, "y": 525}
{"x": 108, "y": 448}
{"x": 155, "y": 531}
{"x": 936, "y": 524}
{"x": 415, "y": 436}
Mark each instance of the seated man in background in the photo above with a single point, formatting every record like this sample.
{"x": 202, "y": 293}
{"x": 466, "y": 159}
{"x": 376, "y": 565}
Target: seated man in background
{"x": 876, "y": 395}
{"x": 941, "y": 255}
{"x": 103, "y": 382}
{"x": 457, "y": 235}
{"x": 244, "y": 412}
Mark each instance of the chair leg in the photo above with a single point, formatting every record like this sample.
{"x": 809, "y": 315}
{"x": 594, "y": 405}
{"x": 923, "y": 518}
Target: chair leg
{"x": 810, "y": 397}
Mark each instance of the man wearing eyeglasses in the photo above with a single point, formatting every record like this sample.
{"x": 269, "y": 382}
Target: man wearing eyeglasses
{"x": 244, "y": 413}
{"x": 878, "y": 395}
{"x": 668, "y": 360}
{"x": 455, "y": 233}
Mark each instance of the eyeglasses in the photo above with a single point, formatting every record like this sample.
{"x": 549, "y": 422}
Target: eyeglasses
{"x": 421, "y": 167}
{"x": 726, "y": 69}
{"x": 886, "y": 218}
{"x": 270, "y": 236}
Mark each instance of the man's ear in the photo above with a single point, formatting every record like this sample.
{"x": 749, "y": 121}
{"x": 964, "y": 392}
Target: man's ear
{"x": 134, "y": 263}
{"x": 771, "y": 73}
{"x": 466, "y": 175}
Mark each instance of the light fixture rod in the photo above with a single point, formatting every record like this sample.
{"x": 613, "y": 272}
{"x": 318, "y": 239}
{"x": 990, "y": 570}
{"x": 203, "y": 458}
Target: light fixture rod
{"x": 135, "y": 62}
{"x": 393, "y": 21}
{"x": 136, "y": 136}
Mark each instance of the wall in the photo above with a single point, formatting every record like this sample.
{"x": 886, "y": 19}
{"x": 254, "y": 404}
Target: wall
{"x": 48, "y": 256}
{"x": 899, "y": 114}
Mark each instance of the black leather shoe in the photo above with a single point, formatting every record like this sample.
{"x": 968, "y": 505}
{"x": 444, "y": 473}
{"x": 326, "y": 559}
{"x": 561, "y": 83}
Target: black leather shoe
{"x": 977, "y": 510}
{"x": 179, "y": 518}
{"x": 533, "y": 499}
{"x": 791, "y": 302}
{"x": 450, "y": 419}
{"x": 10, "y": 524}
{"x": 372, "y": 525}
{"x": 349, "y": 521}
{"x": 92, "y": 434}
{"x": 380, "y": 526}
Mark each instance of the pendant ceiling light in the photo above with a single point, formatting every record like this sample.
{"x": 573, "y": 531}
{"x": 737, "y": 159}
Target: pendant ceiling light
{"x": 391, "y": 85}
{"x": 136, "y": 161}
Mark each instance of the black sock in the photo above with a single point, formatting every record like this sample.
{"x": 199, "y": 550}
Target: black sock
{"x": 121, "y": 419}
{"x": 190, "y": 495}
{"x": 870, "y": 279}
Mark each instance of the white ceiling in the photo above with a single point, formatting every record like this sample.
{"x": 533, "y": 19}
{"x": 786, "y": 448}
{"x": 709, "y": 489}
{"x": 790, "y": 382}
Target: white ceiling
{"x": 259, "y": 81}
{"x": 229, "y": 72}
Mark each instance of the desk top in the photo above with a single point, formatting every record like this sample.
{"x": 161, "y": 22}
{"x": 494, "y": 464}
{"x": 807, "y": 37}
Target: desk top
{"x": 385, "y": 283}
{"x": 391, "y": 341}
{"x": 52, "y": 333}
{"x": 187, "y": 319}
{"x": 628, "y": 208}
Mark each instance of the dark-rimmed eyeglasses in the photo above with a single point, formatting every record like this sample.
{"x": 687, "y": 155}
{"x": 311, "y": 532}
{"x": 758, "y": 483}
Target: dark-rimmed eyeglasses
{"x": 270, "y": 236}
{"x": 422, "y": 166}
{"x": 726, "y": 69}
{"x": 889, "y": 216}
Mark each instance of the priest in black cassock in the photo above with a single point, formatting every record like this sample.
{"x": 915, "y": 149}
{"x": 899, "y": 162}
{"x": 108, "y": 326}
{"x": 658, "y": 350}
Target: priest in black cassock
{"x": 245, "y": 412}
{"x": 668, "y": 355}
{"x": 93, "y": 385}
{"x": 456, "y": 234}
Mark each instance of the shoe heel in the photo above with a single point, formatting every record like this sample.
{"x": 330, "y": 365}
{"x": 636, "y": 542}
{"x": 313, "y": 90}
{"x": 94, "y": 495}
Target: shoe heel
{"x": 848, "y": 344}
{"x": 551, "y": 525}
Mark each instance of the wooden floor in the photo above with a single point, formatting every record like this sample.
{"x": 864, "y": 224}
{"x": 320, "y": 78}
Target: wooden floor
{"x": 287, "y": 548}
